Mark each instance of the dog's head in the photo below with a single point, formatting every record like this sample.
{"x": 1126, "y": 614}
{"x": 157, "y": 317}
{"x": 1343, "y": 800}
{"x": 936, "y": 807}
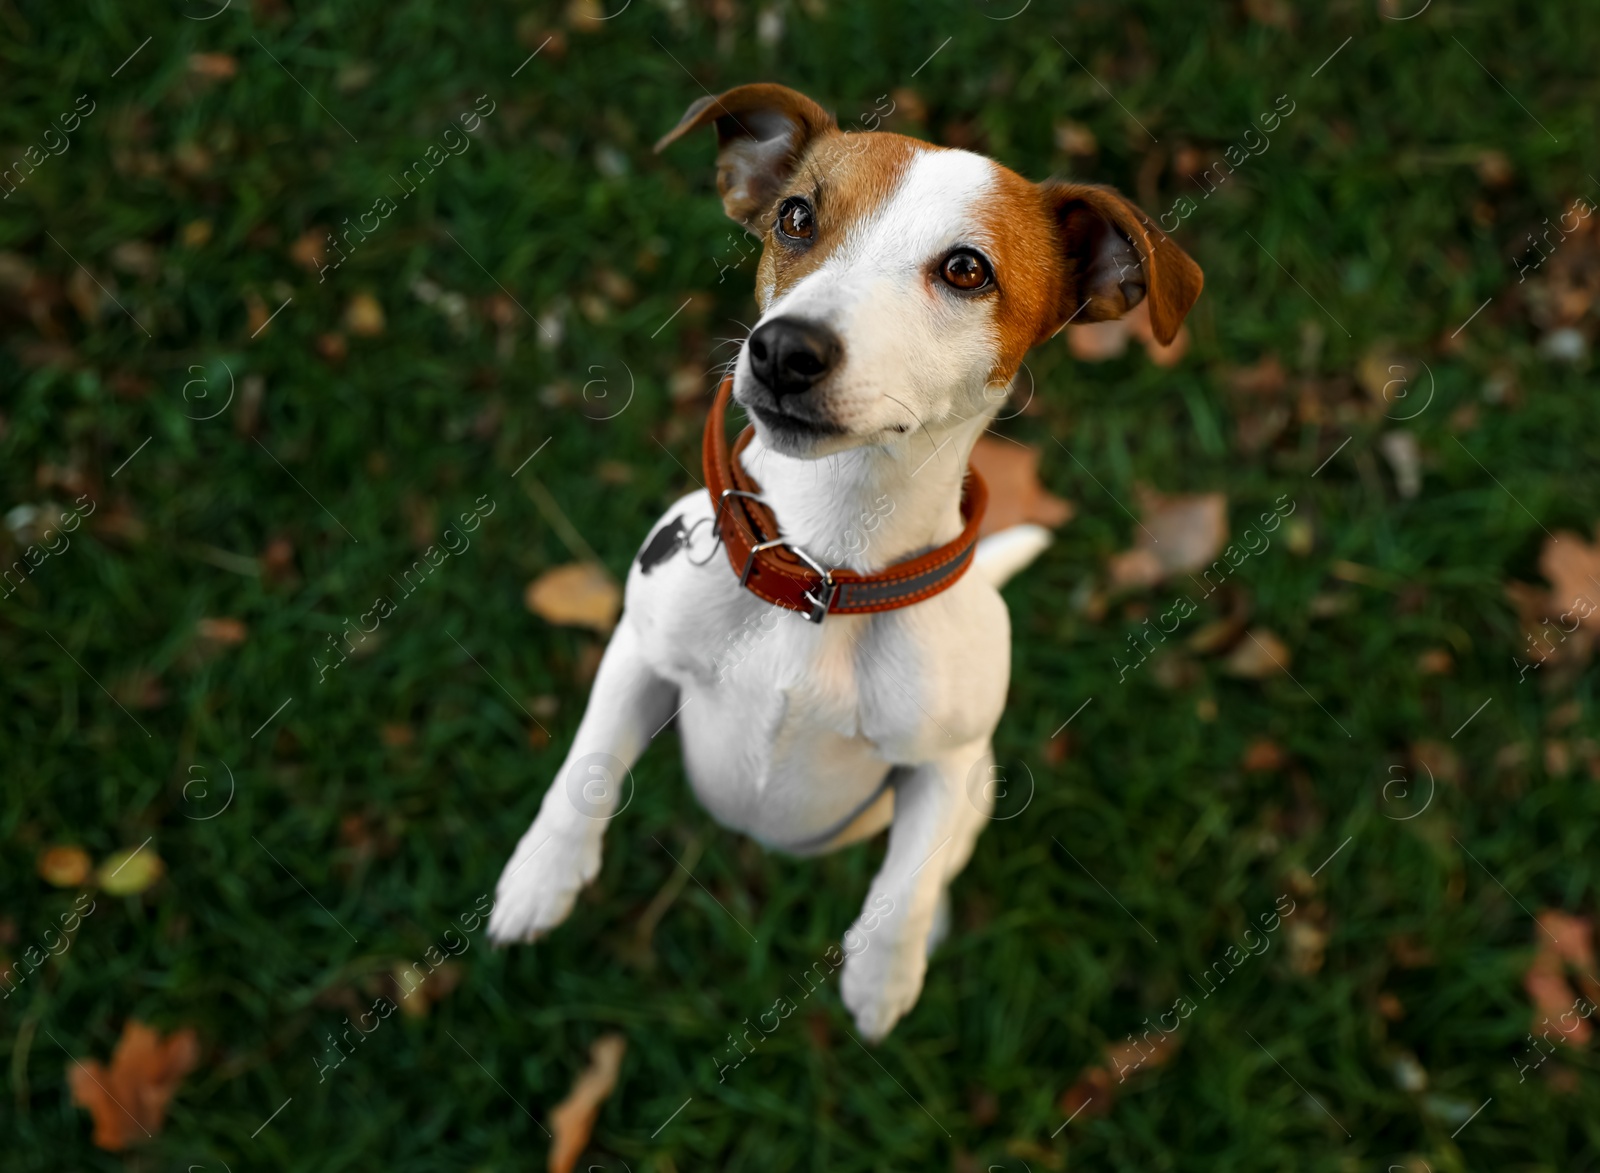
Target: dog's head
{"x": 901, "y": 283}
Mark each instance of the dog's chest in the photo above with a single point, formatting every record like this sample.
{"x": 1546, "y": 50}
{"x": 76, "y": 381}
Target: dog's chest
{"x": 789, "y": 727}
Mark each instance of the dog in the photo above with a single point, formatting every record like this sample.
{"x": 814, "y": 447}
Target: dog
{"x": 842, "y": 667}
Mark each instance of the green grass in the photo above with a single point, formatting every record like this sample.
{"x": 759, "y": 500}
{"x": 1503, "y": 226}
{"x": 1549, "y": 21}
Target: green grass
{"x": 1367, "y": 196}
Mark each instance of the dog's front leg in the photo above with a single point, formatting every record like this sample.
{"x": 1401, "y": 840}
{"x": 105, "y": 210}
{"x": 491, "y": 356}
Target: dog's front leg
{"x": 939, "y": 808}
{"x": 560, "y": 852}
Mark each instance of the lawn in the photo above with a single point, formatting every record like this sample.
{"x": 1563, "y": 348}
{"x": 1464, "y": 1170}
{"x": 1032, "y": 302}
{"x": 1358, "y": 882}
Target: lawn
{"x": 260, "y": 434}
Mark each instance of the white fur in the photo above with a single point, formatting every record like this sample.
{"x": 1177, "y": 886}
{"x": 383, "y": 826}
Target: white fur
{"x": 808, "y": 736}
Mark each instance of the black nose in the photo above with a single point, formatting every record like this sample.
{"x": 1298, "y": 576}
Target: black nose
{"x": 791, "y": 354}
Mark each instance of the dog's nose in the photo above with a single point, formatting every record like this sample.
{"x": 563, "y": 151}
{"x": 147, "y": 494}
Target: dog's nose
{"x": 791, "y": 354}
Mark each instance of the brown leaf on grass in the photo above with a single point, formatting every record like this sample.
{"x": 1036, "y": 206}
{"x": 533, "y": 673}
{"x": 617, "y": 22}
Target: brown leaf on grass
{"x": 580, "y": 594}
{"x": 128, "y": 1100}
{"x": 1436, "y": 662}
{"x": 1264, "y": 754}
{"x": 572, "y": 1120}
{"x": 222, "y": 632}
{"x": 1563, "y": 940}
{"x": 363, "y": 317}
{"x": 1562, "y": 276}
{"x": 1179, "y": 534}
{"x": 1573, "y": 943}
{"x": 1095, "y": 1089}
{"x": 1571, "y": 566}
{"x": 308, "y": 249}
{"x": 1258, "y": 655}
{"x": 1091, "y": 1094}
{"x": 213, "y": 66}
{"x": 64, "y": 867}
{"x": 1011, "y": 472}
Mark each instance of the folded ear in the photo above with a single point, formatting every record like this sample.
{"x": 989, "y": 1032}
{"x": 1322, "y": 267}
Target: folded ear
{"x": 1115, "y": 257}
{"x": 761, "y": 131}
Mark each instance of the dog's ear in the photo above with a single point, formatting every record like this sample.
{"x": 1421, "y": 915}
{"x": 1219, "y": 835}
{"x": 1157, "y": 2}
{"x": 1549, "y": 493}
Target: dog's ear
{"x": 1115, "y": 257}
{"x": 761, "y": 131}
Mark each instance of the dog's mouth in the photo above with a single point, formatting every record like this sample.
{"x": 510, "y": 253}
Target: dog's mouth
{"x": 789, "y": 425}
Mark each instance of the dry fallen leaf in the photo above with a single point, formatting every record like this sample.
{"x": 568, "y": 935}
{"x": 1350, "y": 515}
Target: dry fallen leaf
{"x": 1258, "y": 655}
{"x": 1179, "y": 534}
{"x": 364, "y": 316}
{"x": 580, "y": 594}
{"x": 215, "y": 66}
{"x": 129, "y": 1100}
{"x": 64, "y": 867}
{"x": 1095, "y": 1089}
{"x": 307, "y": 251}
{"x": 1264, "y": 754}
{"x": 130, "y": 871}
{"x": 226, "y": 632}
{"x": 1562, "y": 940}
{"x": 572, "y": 1120}
{"x": 1011, "y": 471}
{"x": 1572, "y": 565}
{"x": 1436, "y": 662}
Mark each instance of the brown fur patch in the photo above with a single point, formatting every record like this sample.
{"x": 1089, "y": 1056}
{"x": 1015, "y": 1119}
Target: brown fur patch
{"x": 1020, "y": 239}
{"x": 846, "y": 177}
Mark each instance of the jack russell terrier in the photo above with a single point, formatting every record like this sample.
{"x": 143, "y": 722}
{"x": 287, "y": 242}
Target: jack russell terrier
{"x": 839, "y": 671}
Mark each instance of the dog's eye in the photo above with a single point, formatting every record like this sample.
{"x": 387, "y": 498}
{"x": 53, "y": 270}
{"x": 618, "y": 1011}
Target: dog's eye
{"x": 965, "y": 270}
{"x": 795, "y": 221}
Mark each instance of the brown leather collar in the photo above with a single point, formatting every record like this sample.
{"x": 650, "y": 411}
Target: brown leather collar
{"x": 787, "y": 576}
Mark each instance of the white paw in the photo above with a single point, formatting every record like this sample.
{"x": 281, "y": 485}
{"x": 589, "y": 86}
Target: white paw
{"x": 542, "y": 880}
{"x": 880, "y": 984}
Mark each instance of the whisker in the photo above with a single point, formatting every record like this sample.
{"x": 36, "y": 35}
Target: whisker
{"x": 922, "y": 427}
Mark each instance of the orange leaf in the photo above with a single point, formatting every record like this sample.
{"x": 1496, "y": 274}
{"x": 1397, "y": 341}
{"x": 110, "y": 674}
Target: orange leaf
{"x": 64, "y": 867}
{"x": 223, "y": 631}
{"x": 1092, "y": 1094}
{"x": 1264, "y": 754}
{"x": 1011, "y": 472}
{"x": 572, "y": 1120}
{"x": 581, "y": 594}
{"x": 216, "y": 66}
{"x": 128, "y": 1100}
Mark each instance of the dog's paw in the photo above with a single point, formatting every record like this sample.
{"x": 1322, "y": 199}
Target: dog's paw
{"x": 540, "y": 883}
{"x": 880, "y": 985}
